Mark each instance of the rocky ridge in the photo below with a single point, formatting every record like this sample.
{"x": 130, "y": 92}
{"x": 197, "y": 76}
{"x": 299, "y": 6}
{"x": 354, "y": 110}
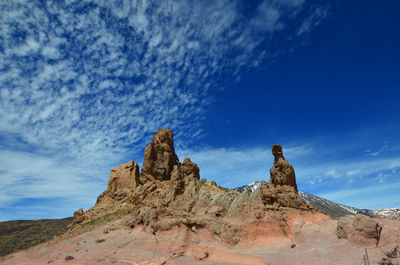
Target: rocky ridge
{"x": 333, "y": 209}
{"x": 168, "y": 193}
{"x": 164, "y": 214}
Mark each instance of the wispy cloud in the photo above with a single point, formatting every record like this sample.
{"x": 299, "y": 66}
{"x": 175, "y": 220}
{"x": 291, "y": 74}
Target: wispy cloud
{"x": 86, "y": 82}
{"x": 367, "y": 182}
{"x": 371, "y": 197}
{"x": 232, "y": 167}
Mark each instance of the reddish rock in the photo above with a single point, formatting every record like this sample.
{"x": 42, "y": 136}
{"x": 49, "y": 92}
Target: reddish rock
{"x": 344, "y": 226}
{"x": 281, "y": 195}
{"x": 282, "y": 173}
{"x": 359, "y": 229}
{"x": 159, "y": 157}
{"x": 365, "y": 230}
{"x": 171, "y": 194}
{"x": 190, "y": 169}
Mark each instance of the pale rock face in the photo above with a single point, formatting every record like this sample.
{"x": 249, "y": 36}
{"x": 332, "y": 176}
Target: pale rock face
{"x": 159, "y": 157}
{"x": 124, "y": 176}
{"x": 282, "y": 172}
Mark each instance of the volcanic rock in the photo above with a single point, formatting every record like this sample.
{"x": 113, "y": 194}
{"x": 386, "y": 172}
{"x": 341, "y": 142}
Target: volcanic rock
{"x": 124, "y": 176}
{"x": 169, "y": 193}
{"x": 282, "y": 172}
{"x": 344, "y": 226}
{"x": 159, "y": 157}
{"x": 78, "y": 217}
{"x": 282, "y": 196}
{"x": 123, "y": 179}
{"x": 190, "y": 169}
{"x": 359, "y": 229}
{"x": 168, "y": 209}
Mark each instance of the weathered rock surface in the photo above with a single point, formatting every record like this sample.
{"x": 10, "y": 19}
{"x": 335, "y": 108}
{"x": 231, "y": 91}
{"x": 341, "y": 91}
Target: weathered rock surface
{"x": 159, "y": 157}
{"x": 266, "y": 242}
{"x": 78, "y": 217}
{"x": 168, "y": 193}
{"x": 192, "y": 221}
{"x": 124, "y": 176}
{"x": 344, "y": 226}
{"x": 282, "y": 172}
{"x": 359, "y": 229}
{"x": 190, "y": 169}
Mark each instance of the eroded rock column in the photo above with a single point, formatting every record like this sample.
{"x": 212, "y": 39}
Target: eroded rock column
{"x": 282, "y": 172}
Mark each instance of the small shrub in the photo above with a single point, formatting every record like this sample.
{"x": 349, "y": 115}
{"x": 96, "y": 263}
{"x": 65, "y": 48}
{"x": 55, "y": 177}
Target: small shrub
{"x": 339, "y": 236}
{"x": 292, "y": 245}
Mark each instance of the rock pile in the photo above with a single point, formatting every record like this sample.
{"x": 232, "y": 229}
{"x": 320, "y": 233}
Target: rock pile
{"x": 167, "y": 193}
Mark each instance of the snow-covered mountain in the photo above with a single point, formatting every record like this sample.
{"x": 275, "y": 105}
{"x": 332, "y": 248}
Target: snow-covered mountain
{"x": 251, "y": 187}
{"x": 334, "y": 210}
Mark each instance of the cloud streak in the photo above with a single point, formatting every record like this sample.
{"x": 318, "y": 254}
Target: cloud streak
{"x": 85, "y": 83}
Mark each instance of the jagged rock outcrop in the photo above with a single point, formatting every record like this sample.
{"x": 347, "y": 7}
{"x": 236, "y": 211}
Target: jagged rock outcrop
{"x": 124, "y": 176}
{"x": 282, "y": 172}
{"x": 159, "y": 157}
{"x": 359, "y": 229}
{"x": 190, "y": 169}
{"x": 168, "y": 193}
{"x": 281, "y": 195}
{"x": 78, "y": 217}
{"x": 123, "y": 180}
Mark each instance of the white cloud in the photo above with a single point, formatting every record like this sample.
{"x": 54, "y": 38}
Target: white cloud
{"x": 37, "y": 177}
{"x": 371, "y": 197}
{"x": 232, "y": 167}
{"x": 318, "y": 15}
{"x": 353, "y": 172}
{"x": 346, "y": 170}
{"x": 91, "y": 86}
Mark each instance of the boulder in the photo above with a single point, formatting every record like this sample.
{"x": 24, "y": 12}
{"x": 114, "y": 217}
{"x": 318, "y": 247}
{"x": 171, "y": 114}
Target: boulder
{"x": 365, "y": 230}
{"x": 159, "y": 157}
{"x": 282, "y": 172}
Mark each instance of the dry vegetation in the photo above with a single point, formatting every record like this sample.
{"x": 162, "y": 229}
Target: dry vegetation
{"x": 22, "y": 234}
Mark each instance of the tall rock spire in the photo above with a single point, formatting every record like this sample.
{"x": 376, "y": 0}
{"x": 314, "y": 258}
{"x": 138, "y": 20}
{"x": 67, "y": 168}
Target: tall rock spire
{"x": 282, "y": 172}
{"x": 159, "y": 157}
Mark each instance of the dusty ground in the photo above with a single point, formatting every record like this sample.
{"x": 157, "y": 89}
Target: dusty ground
{"x": 115, "y": 243}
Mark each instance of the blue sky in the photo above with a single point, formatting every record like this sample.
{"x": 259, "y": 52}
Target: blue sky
{"x": 84, "y": 85}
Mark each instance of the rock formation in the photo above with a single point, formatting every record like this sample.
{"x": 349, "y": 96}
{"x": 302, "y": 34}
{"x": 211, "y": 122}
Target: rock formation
{"x": 168, "y": 193}
{"x": 190, "y": 220}
{"x": 282, "y": 172}
{"x": 190, "y": 169}
{"x": 359, "y": 229}
{"x": 124, "y": 176}
{"x": 159, "y": 157}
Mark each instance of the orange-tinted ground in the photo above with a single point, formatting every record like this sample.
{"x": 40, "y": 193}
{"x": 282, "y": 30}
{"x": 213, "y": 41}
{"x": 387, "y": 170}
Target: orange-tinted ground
{"x": 115, "y": 243}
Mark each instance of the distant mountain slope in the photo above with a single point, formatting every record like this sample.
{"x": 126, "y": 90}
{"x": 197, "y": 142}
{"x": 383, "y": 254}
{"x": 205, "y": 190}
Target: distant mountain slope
{"x": 334, "y": 210}
{"x": 23, "y": 234}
